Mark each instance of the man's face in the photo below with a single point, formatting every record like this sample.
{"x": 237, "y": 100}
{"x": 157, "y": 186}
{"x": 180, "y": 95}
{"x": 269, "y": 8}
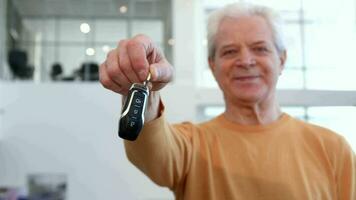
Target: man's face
{"x": 246, "y": 64}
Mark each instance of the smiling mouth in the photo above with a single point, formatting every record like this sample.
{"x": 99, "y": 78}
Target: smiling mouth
{"x": 246, "y": 78}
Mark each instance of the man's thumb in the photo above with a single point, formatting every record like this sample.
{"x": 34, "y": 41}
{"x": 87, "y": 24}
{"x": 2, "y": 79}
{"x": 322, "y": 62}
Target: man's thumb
{"x": 161, "y": 72}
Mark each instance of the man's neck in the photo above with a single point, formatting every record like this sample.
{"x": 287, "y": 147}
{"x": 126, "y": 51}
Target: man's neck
{"x": 254, "y": 114}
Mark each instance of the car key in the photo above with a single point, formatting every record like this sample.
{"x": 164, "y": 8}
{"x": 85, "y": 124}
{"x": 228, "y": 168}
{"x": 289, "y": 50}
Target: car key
{"x": 133, "y": 112}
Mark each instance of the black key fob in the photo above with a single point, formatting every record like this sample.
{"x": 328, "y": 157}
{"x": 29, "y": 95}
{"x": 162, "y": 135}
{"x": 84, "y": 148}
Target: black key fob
{"x": 133, "y": 112}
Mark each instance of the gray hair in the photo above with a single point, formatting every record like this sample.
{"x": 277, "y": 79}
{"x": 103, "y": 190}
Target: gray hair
{"x": 240, "y": 9}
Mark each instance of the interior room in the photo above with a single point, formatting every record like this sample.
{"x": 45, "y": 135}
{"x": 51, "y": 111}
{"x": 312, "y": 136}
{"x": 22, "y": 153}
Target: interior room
{"x": 59, "y": 125}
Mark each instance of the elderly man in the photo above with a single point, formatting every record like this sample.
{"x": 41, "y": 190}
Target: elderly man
{"x": 252, "y": 150}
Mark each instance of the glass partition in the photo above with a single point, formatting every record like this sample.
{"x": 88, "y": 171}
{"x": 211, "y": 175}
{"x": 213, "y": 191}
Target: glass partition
{"x": 68, "y": 40}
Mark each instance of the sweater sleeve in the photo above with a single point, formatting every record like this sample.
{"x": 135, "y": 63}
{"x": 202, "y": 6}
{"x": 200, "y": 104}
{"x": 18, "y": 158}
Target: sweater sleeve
{"x": 162, "y": 151}
{"x": 346, "y": 173}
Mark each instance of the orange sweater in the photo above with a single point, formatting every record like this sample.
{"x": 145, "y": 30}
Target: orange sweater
{"x": 287, "y": 160}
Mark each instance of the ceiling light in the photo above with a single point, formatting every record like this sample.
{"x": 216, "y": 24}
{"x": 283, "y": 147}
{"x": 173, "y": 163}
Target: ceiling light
{"x": 90, "y": 51}
{"x": 171, "y": 41}
{"x": 85, "y": 28}
{"x": 123, "y": 9}
{"x": 106, "y": 48}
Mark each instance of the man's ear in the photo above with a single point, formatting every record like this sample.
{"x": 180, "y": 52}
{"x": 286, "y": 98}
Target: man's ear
{"x": 282, "y": 58}
{"x": 211, "y": 64}
{"x": 212, "y": 67}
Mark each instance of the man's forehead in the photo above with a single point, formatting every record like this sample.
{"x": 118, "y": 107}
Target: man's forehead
{"x": 249, "y": 38}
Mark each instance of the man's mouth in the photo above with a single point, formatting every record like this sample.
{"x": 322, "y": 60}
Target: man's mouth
{"x": 246, "y": 78}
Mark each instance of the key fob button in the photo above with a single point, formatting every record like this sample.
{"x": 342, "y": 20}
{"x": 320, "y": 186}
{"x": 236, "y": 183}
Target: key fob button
{"x": 132, "y": 124}
{"x": 138, "y": 101}
{"x": 132, "y": 118}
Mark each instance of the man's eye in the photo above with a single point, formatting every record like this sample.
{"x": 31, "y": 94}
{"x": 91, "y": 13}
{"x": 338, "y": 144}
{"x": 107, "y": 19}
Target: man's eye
{"x": 228, "y": 52}
{"x": 261, "y": 49}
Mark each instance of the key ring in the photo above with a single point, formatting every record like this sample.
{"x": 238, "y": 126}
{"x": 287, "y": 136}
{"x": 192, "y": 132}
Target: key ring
{"x": 147, "y": 79}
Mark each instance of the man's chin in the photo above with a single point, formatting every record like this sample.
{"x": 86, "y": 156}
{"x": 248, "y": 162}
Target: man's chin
{"x": 247, "y": 98}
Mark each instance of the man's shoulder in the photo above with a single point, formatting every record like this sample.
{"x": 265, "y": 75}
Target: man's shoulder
{"x": 315, "y": 132}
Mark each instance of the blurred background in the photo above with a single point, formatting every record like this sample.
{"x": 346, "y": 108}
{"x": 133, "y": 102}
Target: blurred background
{"x": 58, "y": 126}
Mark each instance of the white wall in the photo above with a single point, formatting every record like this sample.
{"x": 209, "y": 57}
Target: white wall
{"x": 1, "y": 113}
{"x": 186, "y": 37}
{"x": 72, "y": 129}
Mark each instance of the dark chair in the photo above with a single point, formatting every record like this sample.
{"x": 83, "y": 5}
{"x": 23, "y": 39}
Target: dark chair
{"x": 18, "y": 64}
{"x": 56, "y": 71}
{"x": 89, "y": 71}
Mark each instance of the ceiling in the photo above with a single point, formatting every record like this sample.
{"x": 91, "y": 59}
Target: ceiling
{"x": 90, "y": 8}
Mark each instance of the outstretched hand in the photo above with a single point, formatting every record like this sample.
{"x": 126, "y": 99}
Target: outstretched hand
{"x": 131, "y": 62}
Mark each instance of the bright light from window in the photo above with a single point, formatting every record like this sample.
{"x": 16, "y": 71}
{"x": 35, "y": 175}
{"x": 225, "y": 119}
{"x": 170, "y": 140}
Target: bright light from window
{"x": 90, "y": 51}
{"x": 213, "y": 111}
{"x": 339, "y": 118}
{"x": 123, "y": 9}
{"x": 85, "y": 28}
{"x": 205, "y": 42}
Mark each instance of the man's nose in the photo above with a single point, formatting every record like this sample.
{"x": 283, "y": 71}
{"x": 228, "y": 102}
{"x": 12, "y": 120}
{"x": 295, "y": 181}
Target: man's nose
{"x": 245, "y": 58}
